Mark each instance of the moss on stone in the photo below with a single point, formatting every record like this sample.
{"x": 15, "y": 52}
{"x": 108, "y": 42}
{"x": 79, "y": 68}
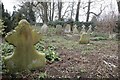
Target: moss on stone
{"x": 84, "y": 38}
{"x": 25, "y": 56}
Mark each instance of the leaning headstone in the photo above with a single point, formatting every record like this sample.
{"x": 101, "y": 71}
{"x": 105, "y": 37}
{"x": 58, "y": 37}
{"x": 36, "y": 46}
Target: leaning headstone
{"x": 75, "y": 30}
{"x": 67, "y": 28}
{"x": 25, "y": 56}
{"x": 83, "y": 29}
{"x": 89, "y": 31}
{"x": 44, "y": 29}
{"x": 58, "y": 29}
{"x": 84, "y": 38}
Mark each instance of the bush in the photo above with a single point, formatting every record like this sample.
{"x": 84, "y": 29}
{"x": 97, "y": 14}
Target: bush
{"x": 6, "y": 49}
{"x": 54, "y": 23}
{"x": 98, "y": 38}
{"x": 49, "y": 51}
{"x": 2, "y": 27}
{"x": 71, "y": 22}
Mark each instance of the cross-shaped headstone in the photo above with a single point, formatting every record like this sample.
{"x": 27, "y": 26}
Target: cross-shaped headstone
{"x": 83, "y": 29}
{"x": 75, "y": 30}
{"x": 89, "y": 30}
{"x": 25, "y": 56}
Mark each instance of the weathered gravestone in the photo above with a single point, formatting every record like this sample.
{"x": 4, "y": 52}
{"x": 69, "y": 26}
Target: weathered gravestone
{"x": 89, "y": 31}
{"x": 25, "y": 56}
{"x": 75, "y": 30}
{"x": 44, "y": 29}
{"x": 83, "y": 29}
{"x": 67, "y": 28}
{"x": 84, "y": 38}
{"x": 58, "y": 29}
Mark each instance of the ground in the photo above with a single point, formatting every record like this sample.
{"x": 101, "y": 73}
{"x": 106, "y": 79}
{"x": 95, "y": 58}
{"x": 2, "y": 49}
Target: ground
{"x": 98, "y": 59}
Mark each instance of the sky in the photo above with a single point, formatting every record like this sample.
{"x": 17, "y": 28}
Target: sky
{"x": 8, "y": 4}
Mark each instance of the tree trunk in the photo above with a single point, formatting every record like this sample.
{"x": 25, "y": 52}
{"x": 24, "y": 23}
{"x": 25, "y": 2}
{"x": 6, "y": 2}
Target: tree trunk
{"x": 72, "y": 10}
{"x": 45, "y": 16}
{"x": 118, "y": 3}
{"x": 77, "y": 11}
{"x": 59, "y": 10}
{"x": 53, "y": 9}
{"x": 50, "y": 16}
{"x": 88, "y": 11}
{"x": 118, "y": 23}
{"x": 118, "y": 35}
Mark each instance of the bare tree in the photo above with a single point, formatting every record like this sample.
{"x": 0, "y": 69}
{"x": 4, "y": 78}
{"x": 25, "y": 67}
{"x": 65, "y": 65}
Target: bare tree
{"x": 59, "y": 9}
{"x": 45, "y": 7}
{"x": 40, "y": 6}
{"x": 66, "y": 11}
{"x": 118, "y": 23}
{"x": 77, "y": 11}
{"x": 89, "y": 9}
{"x": 107, "y": 23}
{"x": 50, "y": 11}
{"x": 53, "y": 9}
{"x": 72, "y": 9}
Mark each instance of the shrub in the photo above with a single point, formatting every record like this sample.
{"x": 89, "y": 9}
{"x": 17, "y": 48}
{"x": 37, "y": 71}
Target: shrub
{"x": 1, "y": 27}
{"x": 98, "y": 38}
{"x": 49, "y": 51}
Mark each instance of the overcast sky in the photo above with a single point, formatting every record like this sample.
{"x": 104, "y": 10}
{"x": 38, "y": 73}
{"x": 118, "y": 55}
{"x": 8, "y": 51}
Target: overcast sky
{"x": 8, "y": 4}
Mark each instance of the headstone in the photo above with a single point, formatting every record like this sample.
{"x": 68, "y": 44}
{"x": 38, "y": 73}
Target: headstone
{"x": 25, "y": 56}
{"x": 75, "y": 30}
{"x": 89, "y": 31}
{"x": 84, "y": 38}
{"x": 44, "y": 29}
{"x": 58, "y": 29}
{"x": 67, "y": 28}
{"x": 83, "y": 29}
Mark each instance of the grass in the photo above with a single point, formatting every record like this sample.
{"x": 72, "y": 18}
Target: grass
{"x": 71, "y": 44}
{"x": 62, "y": 41}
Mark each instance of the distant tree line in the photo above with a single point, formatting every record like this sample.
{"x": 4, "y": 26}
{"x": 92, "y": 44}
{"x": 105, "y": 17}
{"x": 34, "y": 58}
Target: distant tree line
{"x": 56, "y": 13}
{"x": 11, "y": 21}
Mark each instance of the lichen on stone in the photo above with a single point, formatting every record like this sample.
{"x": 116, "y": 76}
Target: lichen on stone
{"x": 24, "y": 38}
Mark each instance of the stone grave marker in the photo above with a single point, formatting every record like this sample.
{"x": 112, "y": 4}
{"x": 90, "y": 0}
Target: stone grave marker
{"x": 58, "y": 29}
{"x": 83, "y": 29}
{"x": 44, "y": 29}
{"x": 67, "y": 28}
{"x": 84, "y": 38}
{"x": 25, "y": 56}
{"x": 89, "y": 31}
{"x": 75, "y": 30}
